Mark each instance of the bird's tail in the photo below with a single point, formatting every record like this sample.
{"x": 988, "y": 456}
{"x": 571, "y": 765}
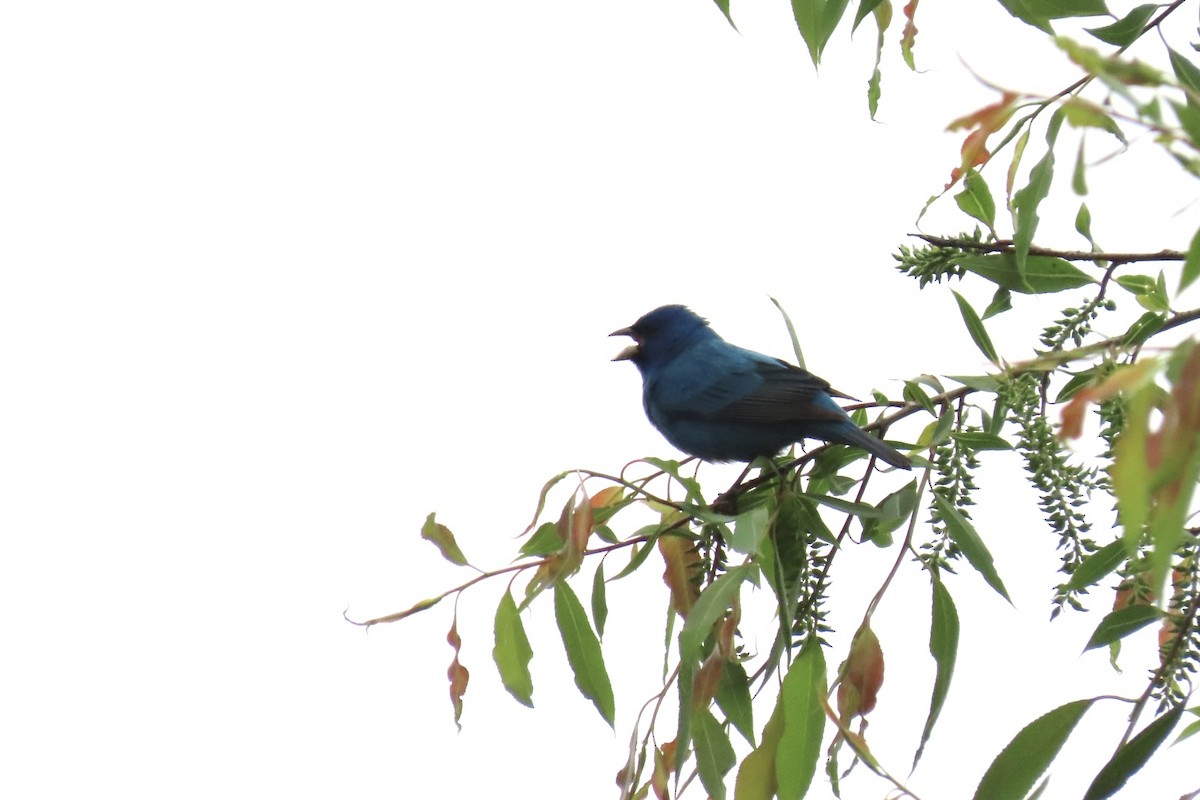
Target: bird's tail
{"x": 878, "y": 448}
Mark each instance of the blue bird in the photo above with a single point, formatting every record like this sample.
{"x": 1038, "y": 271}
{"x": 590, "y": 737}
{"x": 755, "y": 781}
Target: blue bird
{"x": 720, "y": 402}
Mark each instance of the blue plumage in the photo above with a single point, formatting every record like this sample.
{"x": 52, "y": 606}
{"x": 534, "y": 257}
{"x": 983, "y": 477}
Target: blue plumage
{"x": 721, "y": 402}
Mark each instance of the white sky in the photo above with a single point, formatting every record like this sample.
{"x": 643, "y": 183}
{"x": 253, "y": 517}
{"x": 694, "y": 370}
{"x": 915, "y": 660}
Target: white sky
{"x": 282, "y": 278}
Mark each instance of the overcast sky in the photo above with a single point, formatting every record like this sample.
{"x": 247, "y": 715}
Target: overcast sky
{"x": 282, "y": 278}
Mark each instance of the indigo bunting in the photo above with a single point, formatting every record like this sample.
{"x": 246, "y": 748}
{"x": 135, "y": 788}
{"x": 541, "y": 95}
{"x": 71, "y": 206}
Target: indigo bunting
{"x": 721, "y": 402}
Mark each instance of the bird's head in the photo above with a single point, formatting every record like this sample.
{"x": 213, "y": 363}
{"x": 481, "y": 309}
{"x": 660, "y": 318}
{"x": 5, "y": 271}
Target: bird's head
{"x": 661, "y": 334}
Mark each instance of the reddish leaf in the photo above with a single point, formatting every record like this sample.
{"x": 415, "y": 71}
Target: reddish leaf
{"x": 909, "y": 37}
{"x": 1123, "y": 380}
{"x": 982, "y": 124}
{"x": 457, "y": 673}
{"x": 708, "y": 677}
{"x": 607, "y": 497}
{"x": 862, "y": 675}
{"x": 683, "y": 571}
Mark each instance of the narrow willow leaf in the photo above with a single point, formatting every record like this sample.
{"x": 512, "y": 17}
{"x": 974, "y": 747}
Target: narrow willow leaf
{"x": 1130, "y": 470}
{"x": 1191, "y": 264}
{"x": 749, "y": 529}
{"x": 976, "y": 200}
{"x": 1041, "y": 275}
{"x": 979, "y": 440}
{"x": 512, "y": 652}
{"x": 583, "y": 651}
{"x": 1022, "y": 762}
{"x": 545, "y": 540}
{"x": 964, "y": 535}
{"x": 1124, "y": 31}
{"x": 1001, "y": 302}
{"x": 1186, "y": 72}
{"x": 1188, "y": 732}
{"x": 980, "y": 383}
{"x": 1132, "y": 756}
{"x": 894, "y": 511}
{"x": 975, "y": 327}
{"x": 800, "y": 697}
{"x": 943, "y": 646}
{"x": 1146, "y": 326}
{"x": 709, "y": 607}
{"x": 1097, "y": 565}
{"x": 756, "y": 775}
{"x": 866, "y": 7}
{"x": 733, "y": 698}
{"x": 599, "y": 600}
{"x": 1083, "y": 223}
{"x": 724, "y": 6}
{"x": 1079, "y": 174}
{"x": 791, "y": 329}
{"x": 714, "y": 753}
{"x": 440, "y": 535}
{"x": 816, "y": 20}
{"x": 640, "y": 552}
{"x": 1025, "y": 206}
{"x": 1120, "y": 623}
{"x": 883, "y": 18}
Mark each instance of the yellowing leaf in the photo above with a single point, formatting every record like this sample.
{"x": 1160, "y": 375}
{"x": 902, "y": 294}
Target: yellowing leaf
{"x": 862, "y": 676}
{"x": 682, "y": 574}
{"x": 441, "y": 536}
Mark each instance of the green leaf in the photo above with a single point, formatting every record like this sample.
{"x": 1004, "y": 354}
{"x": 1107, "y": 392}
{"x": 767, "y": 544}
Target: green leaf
{"x": 943, "y": 646}
{"x": 545, "y": 541}
{"x": 1079, "y": 174}
{"x": 1120, "y": 623}
{"x": 1130, "y": 470}
{"x": 1186, "y": 73}
{"x": 1083, "y": 223}
{"x": 1132, "y": 756}
{"x": 1025, "y": 207}
{"x": 512, "y": 652}
{"x": 976, "y": 200}
{"x": 1191, "y": 264}
{"x": 733, "y": 698}
{"x": 816, "y": 20}
{"x": 975, "y": 327}
{"x": 710, "y": 606}
{"x": 1042, "y": 274}
{"x": 791, "y": 329}
{"x": 1124, "y": 31}
{"x": 583, "y": 651}
{"x": 1019, "y": 765}
{"x": 441, "y": 536}
{"x": 1001, "y": 302}
{"x": 1146, "y": 326}
{"x": 803, "y": 721}
{"x": 980, "y": 383}
{"x": 599, "y": 600}
{"x": 1097, "y": 565}
{"x": 724, "y": 6}
{"x": 640, "y": 552}
{"x": 894, "y": 511}
{"x": 714, "y": 753}
{"x": 864, "y": 8}
{"x": 749, "y": 529}
{"x": 756, "y": 776}
{"x": 964, "y": 535}
{"x": 979, "y": 440}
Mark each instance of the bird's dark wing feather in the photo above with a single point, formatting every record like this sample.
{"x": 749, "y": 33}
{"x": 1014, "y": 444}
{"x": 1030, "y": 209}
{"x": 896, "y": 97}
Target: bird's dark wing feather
{"x": 731, "y": 384}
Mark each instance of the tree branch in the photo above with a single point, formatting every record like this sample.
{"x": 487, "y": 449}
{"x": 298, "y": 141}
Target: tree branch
{"x": 1006, "y": 246}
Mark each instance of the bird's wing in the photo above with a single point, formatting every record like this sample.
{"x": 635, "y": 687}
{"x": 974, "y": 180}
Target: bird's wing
{"x": 729, "y": 383}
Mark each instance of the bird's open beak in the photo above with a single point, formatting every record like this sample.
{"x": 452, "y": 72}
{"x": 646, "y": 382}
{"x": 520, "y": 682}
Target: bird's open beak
{"x": 629, "y": 353}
